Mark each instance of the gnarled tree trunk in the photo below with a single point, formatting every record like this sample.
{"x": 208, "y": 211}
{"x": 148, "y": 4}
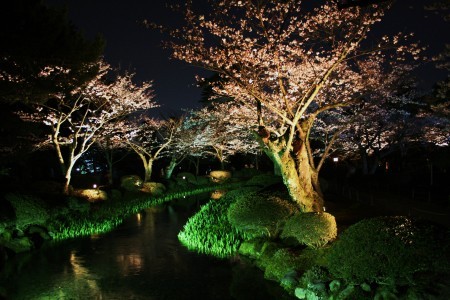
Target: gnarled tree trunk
{"x": 300, "y": 178}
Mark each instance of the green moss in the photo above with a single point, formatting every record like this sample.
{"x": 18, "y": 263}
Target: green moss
{"x": 388, "y": 250}
{"x": 312, "y": 229}
{"x": 260, "y": 214}
{"x": 78, "y": 205}
{"x": 29, "y": 210}
{"x": 252, "y": 248}
{"x": 282, "y": 263}
{"x": 264, "y": 180}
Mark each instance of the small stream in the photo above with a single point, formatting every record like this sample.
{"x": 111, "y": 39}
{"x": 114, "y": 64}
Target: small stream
{"x": 141, "y": 259}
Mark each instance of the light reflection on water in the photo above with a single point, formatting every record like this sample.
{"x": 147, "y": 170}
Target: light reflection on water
{"x": 141, "y": 259}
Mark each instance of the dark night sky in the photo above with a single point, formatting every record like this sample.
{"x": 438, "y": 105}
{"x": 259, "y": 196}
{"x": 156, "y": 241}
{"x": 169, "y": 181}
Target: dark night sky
{"x": 131, "y": 46}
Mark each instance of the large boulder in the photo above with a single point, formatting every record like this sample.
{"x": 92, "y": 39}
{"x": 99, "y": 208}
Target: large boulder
{"x": 131, "y": 183}
{"x": 92, "y": 195}
{"x": 153, "y": 188}
{"x": 220, "y": 176}
{"x": 18, "y": 244}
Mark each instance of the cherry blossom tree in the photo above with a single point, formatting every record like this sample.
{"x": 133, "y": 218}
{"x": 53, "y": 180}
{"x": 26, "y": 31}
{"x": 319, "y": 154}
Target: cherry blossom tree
{"x": 150, "y": 139}
{"x": 289, "y": 63}
{"x": 221, "y": 131}
{"x": 378, "y": 128}
{"x": 112, "y": 145}
{"x": 76, "y": 121}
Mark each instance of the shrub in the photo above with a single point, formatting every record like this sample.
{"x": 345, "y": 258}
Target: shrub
{"x": 131, "y": 183}
{"x": 115, "y": 195}
{"x": 260, "y": 214}
{"x": 187, "y": 177}
{"x": 312, "y": 229}
{"x": 387, "y": 250}
{"x": 28, "y": 210}
{"x": 264, "y": 180}
{"x": 78, "y": 205}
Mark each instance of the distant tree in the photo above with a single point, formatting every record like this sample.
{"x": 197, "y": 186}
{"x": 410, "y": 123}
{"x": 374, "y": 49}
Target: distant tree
{"x": 42, "y": 53}
{"x": 149, "y": 138}
{"x": 377, "y": 129}
{"x": 112, "y": 145}
{"x": 288, "y": 64}
{"x": 78, "y": 120}
{"x": 221, "y": 133}
{"x": 441, "y": 106}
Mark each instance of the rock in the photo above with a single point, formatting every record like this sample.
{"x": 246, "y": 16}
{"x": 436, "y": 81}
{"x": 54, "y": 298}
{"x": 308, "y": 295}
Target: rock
{"x": 131, "y": 183}
{"x": 93, "y": 195}
{"x": 217, "y": 194}
{"x": 40, "y": 231}
{"x": 220, "y": 176}
{"x": 19, "y": 245}
{"x": 154, "y": 188}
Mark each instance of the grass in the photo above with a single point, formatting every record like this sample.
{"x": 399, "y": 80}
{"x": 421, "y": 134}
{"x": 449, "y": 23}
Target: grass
{"x": 109, "y": 214}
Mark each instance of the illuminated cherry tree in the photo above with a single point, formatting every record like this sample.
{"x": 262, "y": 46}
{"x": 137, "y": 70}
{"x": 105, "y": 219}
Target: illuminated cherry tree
{"x": 111, "y": 143}
{"x": 150, "y": 139}
{"x": 378, "y": 128}
{"x": 220, "y": 131}
{"x": 287, "y": 64}
{"x": 76, "y": 121}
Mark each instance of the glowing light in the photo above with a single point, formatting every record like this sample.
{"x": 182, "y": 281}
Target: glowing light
{"x": 184, "y": 177}
{"x": 139, "y": 218}
{"x": 94, "y": 186}
{"x": 336, "y": 159}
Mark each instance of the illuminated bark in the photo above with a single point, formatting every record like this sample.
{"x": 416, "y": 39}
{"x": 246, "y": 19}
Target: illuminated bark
{"x": 282, "y": 64}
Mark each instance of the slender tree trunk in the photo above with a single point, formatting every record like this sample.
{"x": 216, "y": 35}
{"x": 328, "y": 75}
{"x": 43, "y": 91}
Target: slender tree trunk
{"x": 68, "y": 177}
{"x": 170, "y": 168}
{"x": 364, "y": 162}
{"x": 110, "y": 173}
{"x": 109, "y": 161}
{"x": 374, "y": 166}
{"x": 197, "y": 166}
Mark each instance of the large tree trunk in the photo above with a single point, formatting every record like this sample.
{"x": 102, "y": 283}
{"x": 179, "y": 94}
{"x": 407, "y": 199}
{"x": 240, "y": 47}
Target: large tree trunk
{"x": 300, "y": 178}
{"x": 148, "y": 170}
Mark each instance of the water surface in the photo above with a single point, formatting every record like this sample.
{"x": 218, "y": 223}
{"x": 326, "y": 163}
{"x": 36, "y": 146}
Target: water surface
{"x": 141, "y": 259}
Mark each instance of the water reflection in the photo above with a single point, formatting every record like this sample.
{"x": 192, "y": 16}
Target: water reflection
{"x": 141, "y": 259}
{"x": 130, "y": 264}
{"x": 82, "y": 278}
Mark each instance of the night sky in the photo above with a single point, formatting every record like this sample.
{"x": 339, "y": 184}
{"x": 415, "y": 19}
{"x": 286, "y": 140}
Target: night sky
{"x": 133, "y": 47}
